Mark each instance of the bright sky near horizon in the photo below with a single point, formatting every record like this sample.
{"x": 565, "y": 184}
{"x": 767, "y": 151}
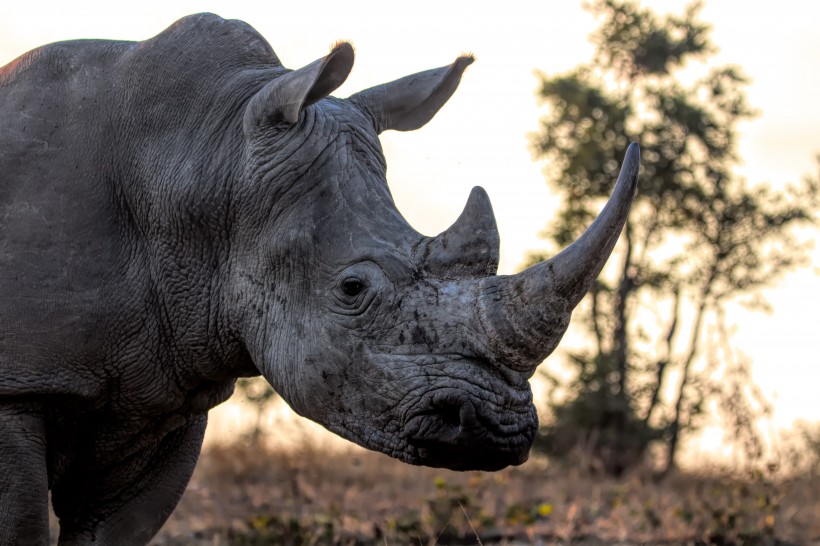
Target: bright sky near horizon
{"x": 481, "y": 136}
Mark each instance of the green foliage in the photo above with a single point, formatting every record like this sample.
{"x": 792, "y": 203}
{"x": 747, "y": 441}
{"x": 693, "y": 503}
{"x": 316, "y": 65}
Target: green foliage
{"x": 446, "y": 510}
{"x": 449, "y": 514}
{"x": 287, "y": 531}
{"x": 729, "y": 506}
{"x": 637, "y": 42}
{"x": 698, "y": 236}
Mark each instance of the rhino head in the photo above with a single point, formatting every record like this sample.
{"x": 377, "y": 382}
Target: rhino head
{"x": 405, "y": 344}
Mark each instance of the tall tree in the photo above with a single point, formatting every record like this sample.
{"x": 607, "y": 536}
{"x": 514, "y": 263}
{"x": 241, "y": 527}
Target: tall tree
{"x": 697, "y": 238}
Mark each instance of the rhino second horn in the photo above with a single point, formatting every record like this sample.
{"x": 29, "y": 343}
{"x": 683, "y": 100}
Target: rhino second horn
{"x": 468, "y": 248}
{"x": 527, "y": 314}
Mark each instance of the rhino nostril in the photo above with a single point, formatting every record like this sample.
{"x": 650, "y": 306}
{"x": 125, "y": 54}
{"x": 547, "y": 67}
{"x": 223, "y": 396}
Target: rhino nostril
{"x": 458, "y": 414}
{"x": 460, "y": 417}
{"x": 457, "y": 419}
{"x": 450, "y": 415}
{"x": 449, "y": 421}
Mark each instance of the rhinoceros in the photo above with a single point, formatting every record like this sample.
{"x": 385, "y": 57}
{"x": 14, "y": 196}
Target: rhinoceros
{"x": 183, "y": 211}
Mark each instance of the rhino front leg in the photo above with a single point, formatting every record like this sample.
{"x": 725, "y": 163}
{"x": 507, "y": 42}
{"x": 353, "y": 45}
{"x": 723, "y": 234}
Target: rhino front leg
{"x": 129, "y": 505}
{"x": 23, "y": 478}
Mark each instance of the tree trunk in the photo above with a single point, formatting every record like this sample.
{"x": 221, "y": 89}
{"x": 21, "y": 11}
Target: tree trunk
{"x": 626, "y": 287}
{"x": 664, "y": 362}
{"x": 674, "y": 428}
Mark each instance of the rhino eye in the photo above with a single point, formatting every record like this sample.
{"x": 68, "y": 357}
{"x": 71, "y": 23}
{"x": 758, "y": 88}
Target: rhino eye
{"x": 352, "y": 286}
{"x": 356, "y": 287}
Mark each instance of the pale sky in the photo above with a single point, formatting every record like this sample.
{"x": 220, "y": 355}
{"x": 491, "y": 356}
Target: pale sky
{"x": 481, "y": 136}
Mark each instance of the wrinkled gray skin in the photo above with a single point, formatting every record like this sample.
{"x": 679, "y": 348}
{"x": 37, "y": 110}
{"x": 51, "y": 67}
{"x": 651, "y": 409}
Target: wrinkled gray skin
{"x": 180, "y": 212}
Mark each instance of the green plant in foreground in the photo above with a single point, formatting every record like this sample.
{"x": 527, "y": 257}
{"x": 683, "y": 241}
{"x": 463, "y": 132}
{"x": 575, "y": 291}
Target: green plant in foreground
{"x": 286, "y": 531}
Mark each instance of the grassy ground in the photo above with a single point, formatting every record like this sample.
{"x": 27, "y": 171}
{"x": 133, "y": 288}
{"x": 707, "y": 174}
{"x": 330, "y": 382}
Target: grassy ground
{"x": 243, "y": 495}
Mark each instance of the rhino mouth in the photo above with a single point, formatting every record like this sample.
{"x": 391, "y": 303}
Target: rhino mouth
{"x": 452, "y": 431}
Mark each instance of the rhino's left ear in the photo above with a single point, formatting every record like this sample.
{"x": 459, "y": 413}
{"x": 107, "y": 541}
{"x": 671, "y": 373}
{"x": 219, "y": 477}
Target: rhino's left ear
{"x": 410, "y": 102}
{"x": 284, "y": 97}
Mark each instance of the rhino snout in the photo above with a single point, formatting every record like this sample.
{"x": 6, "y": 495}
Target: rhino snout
{"x": 460, "y": 432}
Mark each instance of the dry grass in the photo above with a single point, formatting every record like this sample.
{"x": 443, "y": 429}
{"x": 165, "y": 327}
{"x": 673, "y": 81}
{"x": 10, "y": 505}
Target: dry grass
{"x": 243, "y": 495}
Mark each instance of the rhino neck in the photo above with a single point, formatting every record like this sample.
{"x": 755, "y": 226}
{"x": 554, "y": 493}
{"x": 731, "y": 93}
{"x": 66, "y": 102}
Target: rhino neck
{"x": 176, "y": 183}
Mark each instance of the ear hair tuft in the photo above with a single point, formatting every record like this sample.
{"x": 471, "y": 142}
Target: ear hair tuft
{"x": 342, "y": 43}
{"x": 469, "y": 57}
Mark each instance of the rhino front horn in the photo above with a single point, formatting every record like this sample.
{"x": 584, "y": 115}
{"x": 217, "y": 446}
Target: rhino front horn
{"x": 527, "y": 314}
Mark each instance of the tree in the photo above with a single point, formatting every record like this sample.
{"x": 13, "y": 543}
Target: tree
{"x": 698, "y": 236}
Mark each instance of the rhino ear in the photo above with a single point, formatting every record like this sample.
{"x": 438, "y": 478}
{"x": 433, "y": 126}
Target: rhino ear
{"x": 284, "y": 97}
{"x": 410, "y": 102}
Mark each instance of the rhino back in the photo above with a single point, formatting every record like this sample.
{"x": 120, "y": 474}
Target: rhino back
{"x": 107, "y": 151}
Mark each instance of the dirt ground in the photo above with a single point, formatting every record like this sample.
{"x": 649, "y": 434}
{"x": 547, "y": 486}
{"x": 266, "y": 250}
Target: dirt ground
{"x": 245, "y": 495}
